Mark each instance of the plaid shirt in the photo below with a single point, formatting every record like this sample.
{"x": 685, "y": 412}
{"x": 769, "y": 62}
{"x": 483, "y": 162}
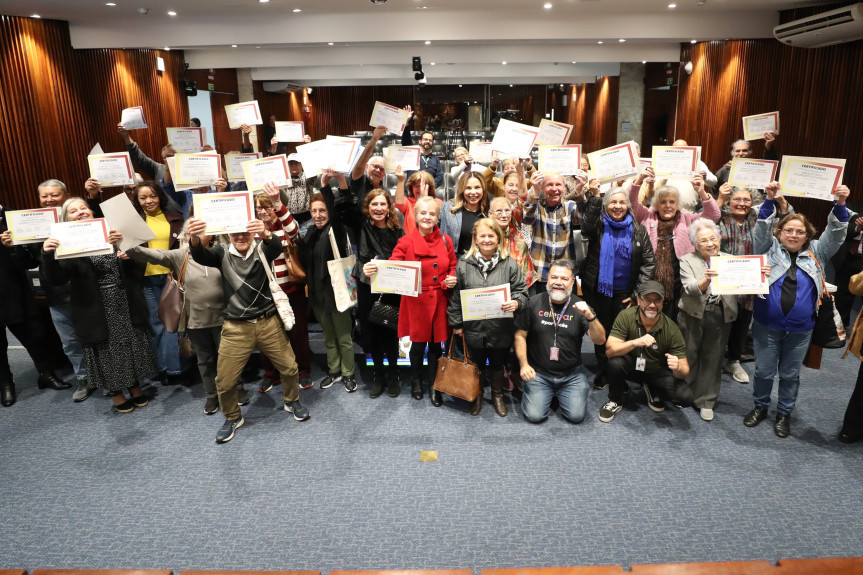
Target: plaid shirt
{"x": 551, "y": 229}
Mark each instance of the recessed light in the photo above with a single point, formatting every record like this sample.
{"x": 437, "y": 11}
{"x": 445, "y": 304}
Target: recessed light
{"x": 693, "y": 41}
{"x": 171, "y": 13}
{"x": 672, "y": 5}
{"x": 330, "y": 44}
{"x": 504, "y": 62}
{"x": 425, "y": 7}
{"x": 622, "y": 40}
{"x": 600, "y": 42}
{"x": 547, "y": 5}
{"x": 297, "y": 10}
{"x": 510, "y": 85}
{"x": 233, "y": 45}
{"x": 432, "y": 63}
{"x": 110, "y": 3}
{"x": 35, "y": 16}
{"x": 263, "y": 1}
{"x": 257, "y": 47}
{"x": 644, "y": 61}
{"x": 459, "y": 85}
{"x": 167, "y": 48}
{"x": 428, "y": 42}
{"x": 574, "y": 62}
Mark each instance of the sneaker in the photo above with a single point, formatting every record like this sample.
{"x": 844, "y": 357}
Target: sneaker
{"x": 736, "y": 370}
{"x": 243, "y": 397}
{"x": 295, "y": 407}
{"x": 125, "y": 407}
{"x": 706, "y": 413}
{"x": 305, "y": 383}
{"x": 140, "y": 401}
{"x": 329, "y": 380}
{"x": 266, "y": 385}
{"x": 226, "y": 432}
{"x": 608, "y": 411}
{"x": 211, "y": 406}
{"x": 654, "y": 402}
{"x": 350, "y": 383}
{"x": 82, "y": 392}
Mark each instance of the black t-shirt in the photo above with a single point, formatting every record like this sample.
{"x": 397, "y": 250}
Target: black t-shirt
{"x": 465, "y": 238}
{"x": 536, "y": 320}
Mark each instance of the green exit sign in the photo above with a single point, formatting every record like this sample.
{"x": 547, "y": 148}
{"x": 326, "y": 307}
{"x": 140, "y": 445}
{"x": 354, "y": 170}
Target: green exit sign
{"x": 670, "y": 82}
{"x": 212, "y": 87}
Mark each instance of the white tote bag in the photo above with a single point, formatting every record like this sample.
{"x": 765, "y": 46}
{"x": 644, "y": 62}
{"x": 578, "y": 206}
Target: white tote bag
{"x": 280, "y": 298}
{"x": 341, "y": 276}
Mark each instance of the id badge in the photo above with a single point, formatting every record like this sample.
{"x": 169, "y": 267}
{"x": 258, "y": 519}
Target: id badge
{"x": 554, "y": 353}
{"x": 640, "y": 364}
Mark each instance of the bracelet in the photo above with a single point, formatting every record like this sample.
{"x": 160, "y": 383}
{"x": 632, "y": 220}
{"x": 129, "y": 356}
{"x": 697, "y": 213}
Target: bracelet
{"x": 592, "y": 319}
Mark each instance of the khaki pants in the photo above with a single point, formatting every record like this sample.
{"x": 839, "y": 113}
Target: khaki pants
{"x": 239, "y": 340}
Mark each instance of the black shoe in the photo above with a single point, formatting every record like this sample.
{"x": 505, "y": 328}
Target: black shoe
{"x": 599, "y": 382}
{"x": 7, "y": 393}
{"x": 847, "y": 436}
{"x": 754, "y": 417}
{"x": 436, "y": 398}
{"x": 394, "y": 388}
{"x": 782, "y": 427}
{"x": 140, "y": 400}
{"x": 49, "y": 380}
{"x": 126, "y": 407}
{"x": 377, "y": 388}
{"x": 417, "y": 389}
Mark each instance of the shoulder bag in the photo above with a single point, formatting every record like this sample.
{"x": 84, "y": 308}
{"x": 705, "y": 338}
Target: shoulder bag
{"x": 173, "y": 299}
{"x": 280, "y": 298}
{"x": 457, "y": 377}
{"x": 341, "y": 276}
{"x": 829, "y": 331}
{"x": 384, "y": 314}
{"x": 296, "y": 273}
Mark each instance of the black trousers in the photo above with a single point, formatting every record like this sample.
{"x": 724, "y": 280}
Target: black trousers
{"x": 607, "y": 309}
{"x": 662, "y": 383}
{"x": 854, "y": 413}
{"x": 496, "y": 357}
{"x": 31, "y": 333}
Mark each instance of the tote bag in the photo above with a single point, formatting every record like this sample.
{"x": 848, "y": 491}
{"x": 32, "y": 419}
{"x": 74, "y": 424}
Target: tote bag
{"x": 341, "y": 276}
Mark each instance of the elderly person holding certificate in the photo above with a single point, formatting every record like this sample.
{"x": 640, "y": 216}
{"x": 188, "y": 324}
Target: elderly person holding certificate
{"x": 486, "y": 265}
{"x": 109, "y": 313}
{"x": 514, "y": 243}
{"x": 785, "y": 318}
{"x": 705, "y": 318}
{"x": 735, "y": 232}
{"x": 668, "y": 228}
{"x": 619, "y": 258}
{"x": 378, "y": 236}
{"x": 459, "y": 215}
{"x": 464, "y": 163}
{"x": 423, "y": 318}
{"x": 419, "y": 185}
{"x": 494, "y": 185}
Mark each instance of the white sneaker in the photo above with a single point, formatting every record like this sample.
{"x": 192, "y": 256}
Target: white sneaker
{"x": 706, "y": 413}
{"x": 736, "y": 370}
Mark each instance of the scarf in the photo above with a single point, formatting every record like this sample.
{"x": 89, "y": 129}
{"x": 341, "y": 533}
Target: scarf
{"x": 665, "y": 253}
{"x": 616, "y": 242}
{"x": 485, "y": 265}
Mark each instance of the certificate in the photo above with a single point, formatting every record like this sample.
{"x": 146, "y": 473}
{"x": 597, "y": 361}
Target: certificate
{"x": 133, "y": 118}
{"x": 84, "y": 238}
{"x": 751, "y": 173}
{"x": 755, "y": 126}
{"x": 197, "y": 169}
{"x": 390, "y": 117}
{"x": 314, "y": 157}
{"x": 408, "y": 157}
{"x": 676, "y": 161}
{"x": 243, "y": 113}
{"x": 564, "y": 160}
{"x": 553, "y": 133}
{"x": 644, "y": 163}
{"x": 481, "y": 152}
{"x": 234, "y": 164}
{"x": 186, "y": 139}
{"x": 403, "y": 278}
{"x": 612, "y": 163}
{"x": 514, "y": 139}
{"x": 112, "y": 169}
{"x": 739, "y": 275}
{"x": 484, "y": 303}
{"x": 121, "y": 216}
{"x": 273, "y": 169}
{"x": 290, "y": 131}
{"x": 224, "y": 212}
{"x": 32, "y": 226}
{"x": 810, "y": 177}
{"x": 342, "y": 153}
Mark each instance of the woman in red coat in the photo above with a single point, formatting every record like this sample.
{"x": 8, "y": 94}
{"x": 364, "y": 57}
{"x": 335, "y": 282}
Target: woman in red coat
{"x": 423, "y": 318}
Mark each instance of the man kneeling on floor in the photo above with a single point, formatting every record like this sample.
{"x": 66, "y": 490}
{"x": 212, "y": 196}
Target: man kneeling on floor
{"x": 548, "y": 338}
{"x": 647, "y": 347}
{"x": 251, "y": 319}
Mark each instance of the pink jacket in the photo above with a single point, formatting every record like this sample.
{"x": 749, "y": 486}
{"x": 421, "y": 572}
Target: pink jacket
{"x": 649, "y": 218}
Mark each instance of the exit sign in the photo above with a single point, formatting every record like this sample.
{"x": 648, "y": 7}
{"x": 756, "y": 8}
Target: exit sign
{"x": 212, "y": 87}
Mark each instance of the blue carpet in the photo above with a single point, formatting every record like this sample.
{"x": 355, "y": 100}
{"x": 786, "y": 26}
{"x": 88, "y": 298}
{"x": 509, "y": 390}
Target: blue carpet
{"x": 81, "y": 486}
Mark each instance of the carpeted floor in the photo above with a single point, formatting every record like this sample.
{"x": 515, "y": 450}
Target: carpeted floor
{"x": 81, "y": 486}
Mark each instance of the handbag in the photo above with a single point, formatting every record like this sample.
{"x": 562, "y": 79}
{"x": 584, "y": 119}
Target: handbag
{"x": 185, "y": 346}
{"x": 296, "y": 273}
{"x": 341, "y": 276}
{"x": 173, "y": 299}
{"x": 829, "y": 331}
{"x": 280, "y": 298}
{"x": 457, "y": 377}
{"x": 384, "y": 314}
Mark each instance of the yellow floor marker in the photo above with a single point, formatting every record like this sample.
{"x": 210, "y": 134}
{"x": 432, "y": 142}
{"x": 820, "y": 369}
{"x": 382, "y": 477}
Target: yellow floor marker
{"x": 428, "y": 455}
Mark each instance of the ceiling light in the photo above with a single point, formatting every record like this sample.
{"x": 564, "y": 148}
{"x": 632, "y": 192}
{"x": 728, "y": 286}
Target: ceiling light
{"x": 672, "y": 5}
{"x": 432, "y": 63}
{"x": 693, "y": 41}
{"x": 297, "y": 10}
{"x": 263, "y": 1}
{"x": 329, "y": 43}
{"x": 35, "y": 16}
{"x": 504, "y": 62}
{"x": 644, "y": 61}
{"x": 459, "y": 85}
{"x": 233, "y": 45}
{"x": 600, "y": 42}
{"x": 171, "y": 13}
{"x": 547, "y": 5}
{"x": 561, "y": 85}
{"x": 574, "y": 62}
{"x": 167, "y": 48}
{"x": 510, "y": 85}
{"x": 425, "y": 7}
{"x": 428, "y": 42}
{"x": 257, "y": 47}
{"x": 622, "y": 40}
{"x": 110, "y": 3}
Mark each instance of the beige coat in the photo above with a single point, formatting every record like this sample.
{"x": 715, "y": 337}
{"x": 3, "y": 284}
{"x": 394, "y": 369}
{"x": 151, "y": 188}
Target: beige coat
{"x": 855, "y": 342}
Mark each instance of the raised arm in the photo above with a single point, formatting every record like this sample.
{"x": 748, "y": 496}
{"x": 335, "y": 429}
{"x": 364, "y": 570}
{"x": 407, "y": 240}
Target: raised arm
{"x": 360, "y": 166}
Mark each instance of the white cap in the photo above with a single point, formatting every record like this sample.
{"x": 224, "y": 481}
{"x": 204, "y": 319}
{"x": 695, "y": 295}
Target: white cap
{"x": 294, "y": 158}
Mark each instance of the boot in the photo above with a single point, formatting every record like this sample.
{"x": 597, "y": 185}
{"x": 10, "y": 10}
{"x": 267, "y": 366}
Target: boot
{"x": 377, "y": 384}
{"x": 7, "y": 393}
{"x": 476, "y": 406}
{"x": 497, "y": 383}
{"x": 416, "y": 377}
{"x": 47, "y": 379}
{"x": 393, "y": 386}
{"x": 436, "y": 397}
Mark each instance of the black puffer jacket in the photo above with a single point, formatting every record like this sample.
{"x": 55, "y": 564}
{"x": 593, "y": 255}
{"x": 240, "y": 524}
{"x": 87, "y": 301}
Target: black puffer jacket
{"x": 592, "y": 228}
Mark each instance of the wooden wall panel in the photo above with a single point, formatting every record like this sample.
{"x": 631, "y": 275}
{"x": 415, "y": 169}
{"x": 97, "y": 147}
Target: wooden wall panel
{"x": 56, "y": 103}
{"x": 287, "y": 107}
{"x": 342, "y": 110}
{"x": 817, "y": 93}
{"x": 592, "y": 110}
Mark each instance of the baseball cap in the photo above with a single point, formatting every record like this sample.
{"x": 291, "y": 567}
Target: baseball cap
{"x": 295, "y": 158}
{"x": 651, "y": 287}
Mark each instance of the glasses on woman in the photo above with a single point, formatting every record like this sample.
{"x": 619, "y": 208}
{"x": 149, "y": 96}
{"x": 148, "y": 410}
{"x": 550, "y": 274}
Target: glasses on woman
{"x": 262, "y": 209}
{"x": 741, "y": 201}
{"x": 502, "y": 212}
{"x": 793, "y": 232}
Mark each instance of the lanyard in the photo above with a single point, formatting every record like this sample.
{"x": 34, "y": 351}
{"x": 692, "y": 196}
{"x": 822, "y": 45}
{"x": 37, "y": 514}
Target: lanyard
{"x": 556, "y": 318}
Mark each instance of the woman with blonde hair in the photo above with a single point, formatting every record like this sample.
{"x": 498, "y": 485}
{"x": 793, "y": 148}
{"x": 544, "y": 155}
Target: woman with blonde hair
{"x": 458, "y": 216}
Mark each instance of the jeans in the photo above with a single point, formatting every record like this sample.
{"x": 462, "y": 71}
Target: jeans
{"x": 571, "y": 391}
{"x": 785, "y": 349}
{"x": 165, "y": 344}
{"x": 61, "y": 314}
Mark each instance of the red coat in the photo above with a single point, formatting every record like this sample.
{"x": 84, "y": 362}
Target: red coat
{"x": 423, "y": 318}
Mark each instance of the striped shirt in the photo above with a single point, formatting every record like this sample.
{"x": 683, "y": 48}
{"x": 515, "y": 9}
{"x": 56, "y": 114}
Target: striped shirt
{"x": 287, "y": 230}
{"x": 551, "y": 229}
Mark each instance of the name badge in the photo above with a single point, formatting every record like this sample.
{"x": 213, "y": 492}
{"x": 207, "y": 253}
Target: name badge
{"x": 640, "y": 364}
{"x": 554, "y": 353}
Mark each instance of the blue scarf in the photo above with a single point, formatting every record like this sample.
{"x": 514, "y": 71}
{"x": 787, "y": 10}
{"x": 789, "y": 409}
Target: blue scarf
{"x": 616, "y": 242}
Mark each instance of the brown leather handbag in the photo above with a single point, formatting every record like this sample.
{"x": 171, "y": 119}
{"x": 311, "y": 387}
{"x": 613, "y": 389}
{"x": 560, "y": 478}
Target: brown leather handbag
{"x": 173, "y": 298}
{"x": 296, "y": 273}
{"x": 456, "y": 377}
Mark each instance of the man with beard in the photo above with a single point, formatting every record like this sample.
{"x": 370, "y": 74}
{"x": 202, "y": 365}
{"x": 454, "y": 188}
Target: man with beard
{"x": 548, "y": 336}
{"x": 646, "y": 346}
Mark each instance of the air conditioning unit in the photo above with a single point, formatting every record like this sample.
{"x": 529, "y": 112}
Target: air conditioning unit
{"x": 281, "y": 87}
{"x": 833, "y": 27}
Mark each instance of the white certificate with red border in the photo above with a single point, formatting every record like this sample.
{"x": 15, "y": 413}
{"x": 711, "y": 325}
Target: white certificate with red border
{"x": 133, "y": 118}
{"x": 810, "y": 177}
{"x": 243, "y": 113}
{"x": 514, "y": 139}
{"x": 408, "y": 157}
{"x": 79, "y": 239}
{"x": 234, "y": 164}
{"x": 397, "y": 277}
{"x": 392, "y": 118}
{"x": 273, "y": 169}
{"x": 752, "y": 173}
{"x": 197, "y": 169}
{"x": 31, "y": 226}
{"x": 186, "y": 139}
{"x": 290, "y": 131}
{"x": 342, "y": 153}
{"x": 676, "y": 161}
{"x": 613, "y": 163}
{"x": 564, "y": 160}
{"x": 481, "y": 152}
{"x": 112, "y": 169}
{"x": 224, "y": 212}
{"x": 553, "y": 133}
{"x": 484, "y": 303}
{"x": 755, "y": 126}
{"x": 739, "y": 275}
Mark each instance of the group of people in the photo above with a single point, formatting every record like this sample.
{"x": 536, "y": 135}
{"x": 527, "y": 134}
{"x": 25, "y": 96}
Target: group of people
{"x": 637, "y": 249}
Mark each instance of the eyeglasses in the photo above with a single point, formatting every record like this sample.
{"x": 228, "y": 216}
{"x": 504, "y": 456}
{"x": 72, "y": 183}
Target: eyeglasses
{"x": 793, "y": 232}
{"x": 375, "y": 167}
{"x": 501, "y": 212}
{"x": 741, "y": 201}
{"x": 426, "y": 140}
{"x": 652, "y": 300}
{"x": 260, "y": 209}
{"x": 706, "y": 241}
